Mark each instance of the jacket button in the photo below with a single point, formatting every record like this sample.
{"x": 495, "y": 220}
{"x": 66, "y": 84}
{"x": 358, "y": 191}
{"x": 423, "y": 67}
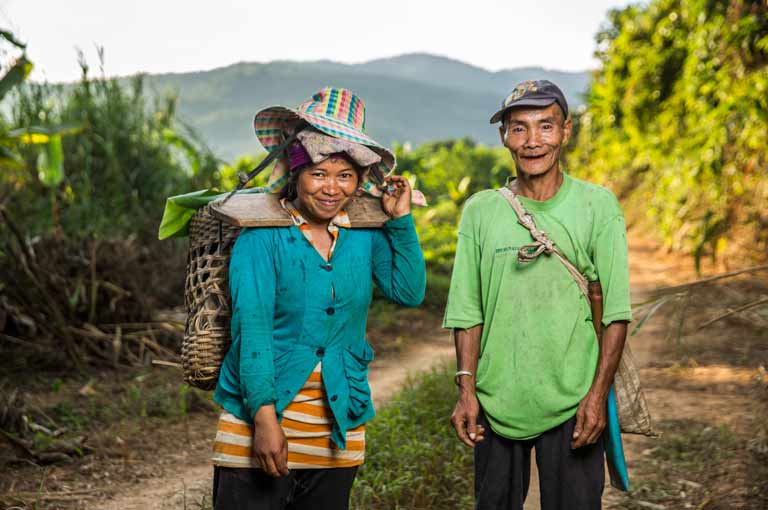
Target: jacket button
{"x": 327, "y": 267}
{"x": 330, "y": 310}
{"x": 320, "y": 351}
{"x": 334, "y": 398}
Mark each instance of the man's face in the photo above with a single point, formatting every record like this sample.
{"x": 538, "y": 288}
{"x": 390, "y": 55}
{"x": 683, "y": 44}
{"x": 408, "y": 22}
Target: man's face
{"x": 535, "y": 137}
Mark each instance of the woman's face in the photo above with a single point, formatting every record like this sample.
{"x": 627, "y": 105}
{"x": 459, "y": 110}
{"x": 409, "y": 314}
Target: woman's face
{"x": 325, "y": 188}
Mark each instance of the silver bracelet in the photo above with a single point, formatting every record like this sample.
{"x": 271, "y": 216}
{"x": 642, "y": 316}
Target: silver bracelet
{"x": 459, "y": 374}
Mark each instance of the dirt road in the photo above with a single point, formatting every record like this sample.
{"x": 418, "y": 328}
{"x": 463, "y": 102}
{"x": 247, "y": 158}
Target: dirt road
{"x": 712, "y": 392}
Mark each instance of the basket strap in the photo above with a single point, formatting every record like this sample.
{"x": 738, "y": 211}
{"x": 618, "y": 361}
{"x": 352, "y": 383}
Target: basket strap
{"x": 245, "y": 178}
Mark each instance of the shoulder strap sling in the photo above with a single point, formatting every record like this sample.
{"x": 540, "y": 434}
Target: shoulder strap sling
{"x": 543, "y": 244}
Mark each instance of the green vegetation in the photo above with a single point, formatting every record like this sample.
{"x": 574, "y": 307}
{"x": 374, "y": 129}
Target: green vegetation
{"x": 45, "y": 139}
{"x": 126, "y": 158}
{"x": 448, "y": 172}
{"x": 85, "y": 172}
{"x": 414, "y": 460}
{"x": 677, "y": 121}
{"x": 142, "y": 396}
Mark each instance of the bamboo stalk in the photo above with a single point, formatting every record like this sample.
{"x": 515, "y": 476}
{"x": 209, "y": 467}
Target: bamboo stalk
{"x": 154, "y": 345}
{"x": 24, "y": 343}
{"x": 92, "y": 332}
{"x": 678, "y": 288}
{"x": 94, "y": 283}
{"x": 163, "y": 363}
{"x": 160, "y": 324}
{"x": 740, "y": 309}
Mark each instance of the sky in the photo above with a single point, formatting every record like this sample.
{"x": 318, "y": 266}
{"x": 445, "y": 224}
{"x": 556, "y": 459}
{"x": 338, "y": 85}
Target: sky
{"x": 178, "y": 36}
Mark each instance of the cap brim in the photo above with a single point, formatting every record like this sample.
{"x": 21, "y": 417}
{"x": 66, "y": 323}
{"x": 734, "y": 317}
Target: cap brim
{"x": 531, "y": 101}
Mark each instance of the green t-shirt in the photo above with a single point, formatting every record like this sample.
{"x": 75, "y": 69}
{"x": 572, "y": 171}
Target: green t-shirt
{"x": 538, "y": 351}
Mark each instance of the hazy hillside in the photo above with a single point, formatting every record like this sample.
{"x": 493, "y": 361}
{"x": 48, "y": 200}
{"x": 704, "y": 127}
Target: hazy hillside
{"x": 415, "y": 98}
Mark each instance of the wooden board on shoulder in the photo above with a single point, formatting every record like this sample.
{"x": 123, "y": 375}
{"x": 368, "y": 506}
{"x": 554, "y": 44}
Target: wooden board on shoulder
{"x": 264, "y": 210}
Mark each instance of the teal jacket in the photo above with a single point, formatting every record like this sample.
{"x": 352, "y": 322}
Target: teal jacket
{"x": 285, "y": 317}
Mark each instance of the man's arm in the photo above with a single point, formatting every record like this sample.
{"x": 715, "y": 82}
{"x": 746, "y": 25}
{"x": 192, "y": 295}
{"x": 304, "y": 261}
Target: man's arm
{"x": 464, "y": 417}
{"x": 591, "y": 415}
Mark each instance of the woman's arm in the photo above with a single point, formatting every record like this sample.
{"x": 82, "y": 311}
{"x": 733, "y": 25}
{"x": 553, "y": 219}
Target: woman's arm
{"x": 398, "y": 262}
{"x": 252, "y": 283}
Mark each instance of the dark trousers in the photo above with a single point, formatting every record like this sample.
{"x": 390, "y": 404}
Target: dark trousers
{"x": 301, "y": 489}
{"x": 568, "y": 479}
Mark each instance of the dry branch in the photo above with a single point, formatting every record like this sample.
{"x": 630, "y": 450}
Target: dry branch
{"x": 740, "y": 309}
{"x": 676, "y": 289}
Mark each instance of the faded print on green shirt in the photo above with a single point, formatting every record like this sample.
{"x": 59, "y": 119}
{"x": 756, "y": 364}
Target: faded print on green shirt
{"x": 538, "y": 350}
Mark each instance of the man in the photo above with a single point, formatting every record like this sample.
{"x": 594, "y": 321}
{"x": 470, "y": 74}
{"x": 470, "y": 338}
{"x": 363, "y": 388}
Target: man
{"x": 531, "y": 371}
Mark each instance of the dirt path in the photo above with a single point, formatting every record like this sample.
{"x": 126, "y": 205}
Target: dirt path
{"x": 712, "y": 393}
{"x": 189, "y": 479}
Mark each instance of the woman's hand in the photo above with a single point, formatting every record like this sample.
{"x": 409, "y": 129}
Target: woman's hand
{"x": 270, "y": 448}
{"x": 397, "y": 202}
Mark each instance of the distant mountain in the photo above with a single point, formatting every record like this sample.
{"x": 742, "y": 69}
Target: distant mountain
{"x": 410, "y": 98}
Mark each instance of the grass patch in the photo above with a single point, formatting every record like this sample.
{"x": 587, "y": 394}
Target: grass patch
{"x": 414, "y": 460}
{"x": 142, "y": 396}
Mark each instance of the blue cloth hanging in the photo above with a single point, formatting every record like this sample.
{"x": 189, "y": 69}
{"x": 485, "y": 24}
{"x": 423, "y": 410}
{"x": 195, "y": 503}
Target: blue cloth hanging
{"x": 614, "y": 450}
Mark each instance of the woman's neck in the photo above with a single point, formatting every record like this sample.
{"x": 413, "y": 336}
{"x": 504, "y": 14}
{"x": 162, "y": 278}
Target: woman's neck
{"x": 314, "y": 223}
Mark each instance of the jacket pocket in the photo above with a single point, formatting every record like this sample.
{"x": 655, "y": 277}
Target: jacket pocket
{"x": 356, "y": 363}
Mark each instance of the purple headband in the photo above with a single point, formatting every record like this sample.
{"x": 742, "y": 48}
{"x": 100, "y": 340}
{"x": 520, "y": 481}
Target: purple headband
{"x": 299, "y": 157}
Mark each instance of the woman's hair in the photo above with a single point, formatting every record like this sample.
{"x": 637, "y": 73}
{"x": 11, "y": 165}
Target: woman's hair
{"x": 290, "y": 192}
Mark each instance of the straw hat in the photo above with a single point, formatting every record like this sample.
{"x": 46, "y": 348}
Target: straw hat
{"x": 334, "y": 111}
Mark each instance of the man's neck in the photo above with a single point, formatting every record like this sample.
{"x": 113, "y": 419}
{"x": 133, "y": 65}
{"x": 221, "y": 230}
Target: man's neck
{"x": 538, "y": 187}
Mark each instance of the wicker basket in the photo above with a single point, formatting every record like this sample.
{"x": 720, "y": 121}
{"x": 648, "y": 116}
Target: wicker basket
{"x": 206, "y": 296}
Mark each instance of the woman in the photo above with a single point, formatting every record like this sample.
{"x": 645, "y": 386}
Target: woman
{"x": 294, "y": 384}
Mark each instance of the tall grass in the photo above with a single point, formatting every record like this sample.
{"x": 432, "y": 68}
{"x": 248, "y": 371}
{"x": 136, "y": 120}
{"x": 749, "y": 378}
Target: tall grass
{"x": 414, "y": 460}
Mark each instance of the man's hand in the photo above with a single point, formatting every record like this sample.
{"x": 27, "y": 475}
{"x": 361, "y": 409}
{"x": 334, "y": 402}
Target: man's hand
{"x": 590, "y": 419}
{"x": 464, "y": 418}
{"x": 591, "y": 416}
{"x": 270, "y": 448}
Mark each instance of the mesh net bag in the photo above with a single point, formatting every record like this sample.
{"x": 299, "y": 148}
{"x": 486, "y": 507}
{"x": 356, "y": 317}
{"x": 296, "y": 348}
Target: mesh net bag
{"x": 206, "y": 297}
